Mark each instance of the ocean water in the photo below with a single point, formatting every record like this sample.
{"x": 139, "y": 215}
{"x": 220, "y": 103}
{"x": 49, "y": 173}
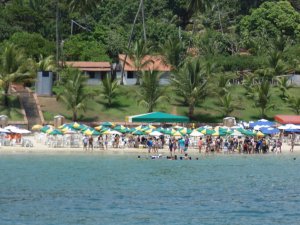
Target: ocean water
{"x": 121, "y": 189}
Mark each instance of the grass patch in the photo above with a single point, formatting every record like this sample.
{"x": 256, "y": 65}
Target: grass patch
{"x": 126, "y": 104}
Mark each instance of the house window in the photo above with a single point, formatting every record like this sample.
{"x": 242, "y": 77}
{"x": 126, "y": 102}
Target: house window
{"x": 92, "y": 75}
{"x": 130, "y": 75}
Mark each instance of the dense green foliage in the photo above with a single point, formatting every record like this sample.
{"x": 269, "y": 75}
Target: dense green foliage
{"x": 252, "y": 40}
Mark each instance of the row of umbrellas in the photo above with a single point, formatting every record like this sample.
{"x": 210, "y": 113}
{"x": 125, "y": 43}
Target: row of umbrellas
{"x": 175, "y": 131}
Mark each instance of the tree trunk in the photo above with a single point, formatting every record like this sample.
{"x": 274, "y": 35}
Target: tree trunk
{"x": 6, "y": 99}
{"x": 191, "y": 111}
{"x": 74, "y": 117}
{"x": 137, "y": 79}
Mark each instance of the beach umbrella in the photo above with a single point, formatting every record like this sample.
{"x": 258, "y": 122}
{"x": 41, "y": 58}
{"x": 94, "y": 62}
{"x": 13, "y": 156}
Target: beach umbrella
{"x": 259, "y": 134}
{"x": 119, "y": 127}
{"x": 46, "y": 127}
{"x": 196, "y": 133}
{"x": 98, "y": 127}
{"x": 292, "y": 130}
{"x": 208, "y": 131}
{"x": 236, "y": 133}
{"x": 169, "y": 131}
{"x": 177, "y": 134}
{"x": 2, "y": 130}
{"x": 138, "y": 132}
{"x": 112, "y": 132}
{"x": 218, "y": 133}
{"x": 261, "y": 122}
{"x": 160, "y": 129}
{"x": 269, "y": 130}
{"x": 185, "y": 130}
{"x": 55, "y": 132}
{"x": 289, "y": 126}
{"x": 108, "y": 124}
{"x": 91, "y": 132}
{"x": 36, "y": 127}
{"x": 155, "y": 133}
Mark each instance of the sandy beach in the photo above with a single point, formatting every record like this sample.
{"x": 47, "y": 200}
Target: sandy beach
{"x": 41, "y": 148}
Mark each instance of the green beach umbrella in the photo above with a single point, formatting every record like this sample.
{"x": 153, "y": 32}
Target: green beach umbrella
{"x": 55, "y": 132}
{"x": 208, "y": 131}
{"x": 138, "y": 132}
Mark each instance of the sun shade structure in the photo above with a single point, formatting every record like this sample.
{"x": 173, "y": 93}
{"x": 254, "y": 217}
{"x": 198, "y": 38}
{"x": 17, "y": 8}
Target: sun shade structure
{"x": 286, "y": 119}
{"x": 157, "y": 117}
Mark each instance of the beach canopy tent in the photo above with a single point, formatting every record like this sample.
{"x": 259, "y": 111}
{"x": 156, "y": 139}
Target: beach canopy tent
{"x": 261, "y": 123}
{"x": 285, "y": 119}
{"x": 157, "y": 117}
{"x": 269, "y": 130}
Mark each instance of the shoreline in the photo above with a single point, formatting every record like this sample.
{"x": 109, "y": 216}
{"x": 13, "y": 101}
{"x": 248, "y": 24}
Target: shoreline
{"x": 127, "y": 151}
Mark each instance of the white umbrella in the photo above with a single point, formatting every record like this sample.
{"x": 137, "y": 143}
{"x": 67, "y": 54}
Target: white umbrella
{"x": 20, "y": 131}
{"x": 196, "y": 133}
{"x": 236, "y": 133}
{"x": 155, "y": 133}
{"x": 289, "y": 126}
{"x": 113, "y": 132}
{"x": 2, "y": 130}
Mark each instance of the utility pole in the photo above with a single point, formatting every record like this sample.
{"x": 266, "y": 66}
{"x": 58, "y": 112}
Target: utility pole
{"x": 57, "y": 33}
{"x": 141, "y": 7}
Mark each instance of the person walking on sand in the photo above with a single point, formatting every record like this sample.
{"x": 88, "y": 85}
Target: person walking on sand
{"x": 292, "y": 144}
{"x": 85, "y": 142}
{"x": 91, "y": 146}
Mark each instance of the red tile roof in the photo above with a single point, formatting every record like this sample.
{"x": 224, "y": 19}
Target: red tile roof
{"x": 286, "y": 119}
{"x": 157, "y": 63}
{"x": 89, "y": 66}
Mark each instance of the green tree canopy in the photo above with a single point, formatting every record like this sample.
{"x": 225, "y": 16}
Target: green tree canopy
{"x": 273, "y": 18}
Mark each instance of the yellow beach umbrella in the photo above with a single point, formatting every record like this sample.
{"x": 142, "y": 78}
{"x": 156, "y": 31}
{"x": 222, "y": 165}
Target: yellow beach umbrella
{"x": 259, "y": 134}
{"x": 76, "y": 125}
{"x": 36, "y": 127}
{"x": 177, "y": 134}
{"x": 99, "y": 127}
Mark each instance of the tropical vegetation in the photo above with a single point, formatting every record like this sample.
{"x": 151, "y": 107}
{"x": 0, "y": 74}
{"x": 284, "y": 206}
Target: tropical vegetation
{"x": 222, "y": 53}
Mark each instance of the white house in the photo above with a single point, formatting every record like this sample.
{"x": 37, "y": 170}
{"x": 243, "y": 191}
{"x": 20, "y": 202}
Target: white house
{"x": 96, "y": 71}
{"x": 130, "y": 71}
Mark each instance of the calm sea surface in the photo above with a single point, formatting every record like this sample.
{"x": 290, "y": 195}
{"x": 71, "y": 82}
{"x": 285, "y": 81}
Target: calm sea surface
{"x": 118, "y": 189}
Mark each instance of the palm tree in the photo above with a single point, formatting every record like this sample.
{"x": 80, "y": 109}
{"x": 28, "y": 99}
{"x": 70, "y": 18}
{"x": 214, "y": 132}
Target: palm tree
{"x": 14, "y": 67}
{"x": 150, "y": 93}
{"x": 248, "y": 84}
{"x": 174, "y": 52}
{"x": 226, "y": 104}
{"x": 82, "y": 6}
{"x": 262, "y": 98}
{"x": 283, "y": 85}
{"x": 46, "y": 64}
{"x": 109, "y": 89}
{"x": 74, "y": 94}
{"x": 221, "y": 84}
{"x": 138, "y": 54}
{"x": 195, "y": 6}
{"x": 190, "y": 83}
{"x": 294, "y": 104}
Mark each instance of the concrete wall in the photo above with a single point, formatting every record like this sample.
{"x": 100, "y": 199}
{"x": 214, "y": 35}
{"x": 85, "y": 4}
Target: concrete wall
{"x": 44, "y": 83}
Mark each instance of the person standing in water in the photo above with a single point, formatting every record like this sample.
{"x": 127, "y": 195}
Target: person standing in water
{"x": 200, "y": 143}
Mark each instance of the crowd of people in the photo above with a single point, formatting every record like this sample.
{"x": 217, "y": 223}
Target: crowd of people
{"x": 181, "y": 145}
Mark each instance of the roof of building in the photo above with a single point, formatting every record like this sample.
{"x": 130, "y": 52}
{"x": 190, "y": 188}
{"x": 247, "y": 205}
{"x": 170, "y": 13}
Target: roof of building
{"x": 90, "y": 66}
{"x": 287, "y": 119}
{"x": 156, "y": 63}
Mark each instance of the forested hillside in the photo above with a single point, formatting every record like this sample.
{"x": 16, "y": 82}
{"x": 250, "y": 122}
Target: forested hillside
{"x": 101, "y": 29}
{"x": 226, "y": 56}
